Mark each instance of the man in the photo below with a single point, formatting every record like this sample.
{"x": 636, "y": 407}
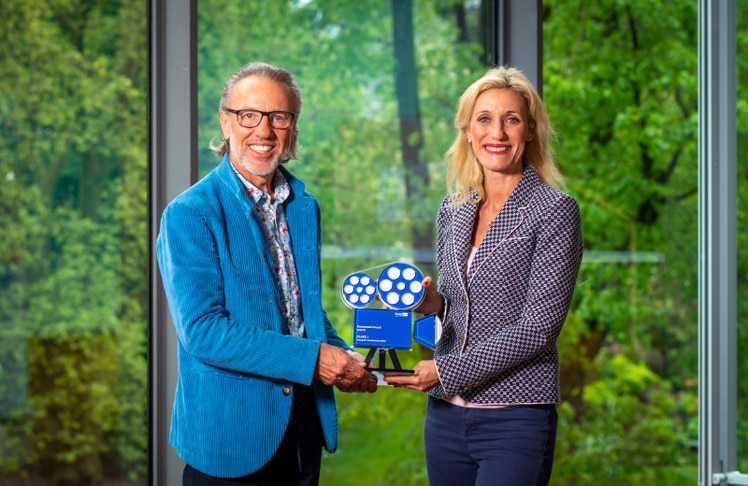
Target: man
{"x": 239, "y": 255}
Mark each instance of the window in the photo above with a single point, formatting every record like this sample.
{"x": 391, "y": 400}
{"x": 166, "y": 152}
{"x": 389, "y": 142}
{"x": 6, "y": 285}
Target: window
{"x": 623, "y": 96}
{"x": 73, "y": 263}
{"x": 621, "y": 86}
{"x": 380, "y": 82}
{"x": 642, "y": 371}
{"x": 741, "y": 113}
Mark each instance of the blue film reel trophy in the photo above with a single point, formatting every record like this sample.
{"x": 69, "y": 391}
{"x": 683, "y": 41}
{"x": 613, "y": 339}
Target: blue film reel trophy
{"x": 399, "y": 287}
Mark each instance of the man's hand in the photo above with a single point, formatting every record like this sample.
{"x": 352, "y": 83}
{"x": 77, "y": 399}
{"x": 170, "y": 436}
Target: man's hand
{"x": 337, "y": 367}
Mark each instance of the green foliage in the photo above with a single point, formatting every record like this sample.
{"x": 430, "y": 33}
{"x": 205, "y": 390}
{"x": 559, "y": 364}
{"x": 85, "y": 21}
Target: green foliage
{"x": 342, "y": 57}
{"x": 631, "y": 429}
{"x": 380, "y": 440}
{"x": 620, "y": 84}
{"x": 73, "y": 388}
{"x": 73, "y": 257}
{"x": 741, "y": 113}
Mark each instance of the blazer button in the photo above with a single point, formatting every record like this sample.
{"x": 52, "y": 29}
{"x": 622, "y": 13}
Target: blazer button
{"x": 286, "y": 390}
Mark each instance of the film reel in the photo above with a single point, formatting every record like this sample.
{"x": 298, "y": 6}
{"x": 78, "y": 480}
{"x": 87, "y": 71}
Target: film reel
{"x": 358, "y": 290}
{"x": 400, "y": 286}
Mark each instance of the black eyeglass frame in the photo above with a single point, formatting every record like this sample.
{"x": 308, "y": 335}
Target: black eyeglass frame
{"x": 263, "y": 114}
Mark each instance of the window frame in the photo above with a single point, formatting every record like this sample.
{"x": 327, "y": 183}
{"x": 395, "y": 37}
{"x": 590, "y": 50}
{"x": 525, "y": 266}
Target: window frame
{"x": 717, "y": 301}
{"x": 172, "y": 169}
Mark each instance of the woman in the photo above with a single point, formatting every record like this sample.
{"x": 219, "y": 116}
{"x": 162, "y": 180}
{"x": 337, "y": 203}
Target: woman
{"x": 509, "y": 246}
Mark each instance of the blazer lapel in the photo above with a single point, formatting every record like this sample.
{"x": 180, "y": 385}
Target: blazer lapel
{"x": 462, "y": 226}
{"x": 508, "y": 221}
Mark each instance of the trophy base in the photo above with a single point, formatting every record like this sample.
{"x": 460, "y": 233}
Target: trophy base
{"x": 391, "y": 371}
{"x": 381, "y": 354}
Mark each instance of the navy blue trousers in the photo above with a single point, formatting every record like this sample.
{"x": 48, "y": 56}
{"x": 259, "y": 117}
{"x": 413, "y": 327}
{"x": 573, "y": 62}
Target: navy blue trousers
{"x": 510, "y": 446}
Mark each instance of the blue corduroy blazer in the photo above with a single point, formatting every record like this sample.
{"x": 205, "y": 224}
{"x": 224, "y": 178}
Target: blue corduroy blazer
{"x": 236, "y": 360}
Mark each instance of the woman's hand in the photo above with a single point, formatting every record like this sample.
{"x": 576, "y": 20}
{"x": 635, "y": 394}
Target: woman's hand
{"x": 433, "y": 302}
{"x": 424, "y": 377}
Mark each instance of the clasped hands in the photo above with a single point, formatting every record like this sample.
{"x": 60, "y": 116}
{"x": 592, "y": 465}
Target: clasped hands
{"x": 343, "y": 369}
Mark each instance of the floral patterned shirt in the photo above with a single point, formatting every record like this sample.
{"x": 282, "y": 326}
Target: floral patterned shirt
{"x": 275, "y": 226}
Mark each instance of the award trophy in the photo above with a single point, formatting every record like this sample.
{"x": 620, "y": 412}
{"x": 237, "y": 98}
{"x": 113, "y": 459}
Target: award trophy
{"x": 400, "y": 288}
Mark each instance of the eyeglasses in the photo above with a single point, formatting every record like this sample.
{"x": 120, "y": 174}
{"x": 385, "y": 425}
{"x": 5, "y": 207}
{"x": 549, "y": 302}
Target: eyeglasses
{"x": 251, "y": 118}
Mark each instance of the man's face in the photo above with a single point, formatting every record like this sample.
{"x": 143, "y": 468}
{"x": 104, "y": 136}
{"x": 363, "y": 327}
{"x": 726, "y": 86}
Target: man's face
{"x": 257, "y": 152}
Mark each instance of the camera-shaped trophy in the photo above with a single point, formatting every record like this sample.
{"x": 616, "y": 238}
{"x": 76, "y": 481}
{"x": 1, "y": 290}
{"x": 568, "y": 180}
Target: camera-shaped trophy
{"x": 400, "y": 288}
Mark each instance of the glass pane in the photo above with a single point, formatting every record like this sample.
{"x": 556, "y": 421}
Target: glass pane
{"x": 620, "y": 83}
{"x": 373, "y": 139}
{"x": 741, "y": 29}
{"x": 73, "y": 251}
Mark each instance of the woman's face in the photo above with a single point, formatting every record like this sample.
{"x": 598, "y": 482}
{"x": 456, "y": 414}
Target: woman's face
{"x": 499, "y": 130}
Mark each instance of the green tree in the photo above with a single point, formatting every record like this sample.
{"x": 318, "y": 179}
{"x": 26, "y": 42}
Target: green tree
{"x": 73, "y": 146}
{"x": 621, "y": 87}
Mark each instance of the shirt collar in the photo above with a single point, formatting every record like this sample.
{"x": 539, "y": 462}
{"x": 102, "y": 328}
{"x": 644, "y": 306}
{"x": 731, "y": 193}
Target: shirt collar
{"x": 282, "y": 188}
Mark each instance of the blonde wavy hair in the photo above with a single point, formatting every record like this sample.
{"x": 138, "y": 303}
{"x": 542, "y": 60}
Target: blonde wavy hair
{"x": 464, "y": 172}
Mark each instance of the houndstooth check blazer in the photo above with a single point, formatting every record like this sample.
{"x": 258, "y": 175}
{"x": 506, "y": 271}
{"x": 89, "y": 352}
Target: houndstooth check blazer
{"x": 502, "y": 320}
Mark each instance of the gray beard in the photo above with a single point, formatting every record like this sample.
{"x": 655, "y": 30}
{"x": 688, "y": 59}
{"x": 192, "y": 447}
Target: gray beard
{"x": 261, "y": 173}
